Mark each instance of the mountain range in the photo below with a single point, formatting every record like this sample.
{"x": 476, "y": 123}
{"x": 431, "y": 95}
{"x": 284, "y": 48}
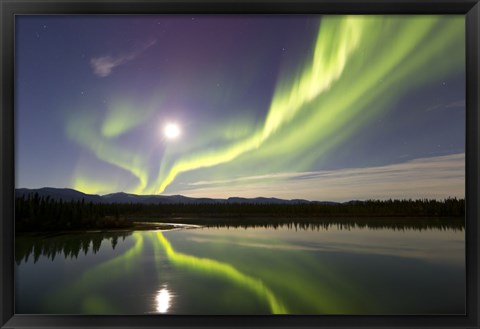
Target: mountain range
{"x": 67, "y": 194}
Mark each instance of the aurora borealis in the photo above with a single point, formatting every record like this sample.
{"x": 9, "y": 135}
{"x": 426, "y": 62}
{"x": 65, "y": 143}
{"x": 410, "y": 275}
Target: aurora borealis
{"x": 322, "y": 108}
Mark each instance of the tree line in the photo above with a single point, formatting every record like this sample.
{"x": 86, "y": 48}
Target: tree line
{"x": 35, "y": 213}
{"x": 450, "y": 207}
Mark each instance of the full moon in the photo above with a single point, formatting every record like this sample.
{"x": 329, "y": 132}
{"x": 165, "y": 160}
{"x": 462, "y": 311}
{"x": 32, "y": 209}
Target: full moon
{"x": 171, "y": 131}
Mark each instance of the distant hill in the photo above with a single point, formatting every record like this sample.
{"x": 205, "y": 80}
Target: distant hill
{"x": 66, "y": 194}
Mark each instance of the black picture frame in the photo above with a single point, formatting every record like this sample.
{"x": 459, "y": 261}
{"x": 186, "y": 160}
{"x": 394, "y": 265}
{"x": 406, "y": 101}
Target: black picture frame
{"x": 10, "y": 8}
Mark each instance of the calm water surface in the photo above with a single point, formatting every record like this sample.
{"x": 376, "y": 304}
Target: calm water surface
{"x": 334, "y": 270}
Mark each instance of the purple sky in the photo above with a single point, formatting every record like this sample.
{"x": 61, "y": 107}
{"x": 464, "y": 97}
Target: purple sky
{"x": 289, "y": 106}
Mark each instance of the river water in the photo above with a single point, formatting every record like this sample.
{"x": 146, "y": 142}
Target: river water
{"x": 334, "y": 269}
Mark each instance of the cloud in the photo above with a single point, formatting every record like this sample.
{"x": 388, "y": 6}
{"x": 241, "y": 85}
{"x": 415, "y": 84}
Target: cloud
{"x": 248, "y": 178}
{"x": 103, "y": 66}
{"x": 435, "y": 177}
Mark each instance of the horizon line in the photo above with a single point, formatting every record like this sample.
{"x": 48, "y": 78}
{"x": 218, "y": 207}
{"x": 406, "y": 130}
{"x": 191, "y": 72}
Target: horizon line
{"x": 247, "y": 198}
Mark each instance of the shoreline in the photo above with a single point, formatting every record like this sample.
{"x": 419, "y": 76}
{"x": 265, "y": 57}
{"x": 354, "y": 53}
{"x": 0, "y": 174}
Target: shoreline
{"x": 178, "y": 223}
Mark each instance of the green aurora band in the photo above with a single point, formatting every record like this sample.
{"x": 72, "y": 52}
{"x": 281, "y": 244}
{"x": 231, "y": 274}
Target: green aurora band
{"x": 359, "y": 67}
{"x": 81, "y": 129}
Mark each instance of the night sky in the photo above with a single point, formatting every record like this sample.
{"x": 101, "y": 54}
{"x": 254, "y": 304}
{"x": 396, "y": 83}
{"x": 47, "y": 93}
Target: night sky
{"x": 320, "y": 108}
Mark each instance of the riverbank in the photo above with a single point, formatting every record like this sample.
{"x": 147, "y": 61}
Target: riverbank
{"x": 174, "y": 223}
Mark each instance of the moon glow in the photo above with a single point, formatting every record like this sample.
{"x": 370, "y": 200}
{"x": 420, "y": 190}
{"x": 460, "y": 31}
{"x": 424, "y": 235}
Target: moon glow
{"x": 171, "y": 131}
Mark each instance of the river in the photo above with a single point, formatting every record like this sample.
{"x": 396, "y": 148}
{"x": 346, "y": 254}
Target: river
{"x": 334, "y": 269}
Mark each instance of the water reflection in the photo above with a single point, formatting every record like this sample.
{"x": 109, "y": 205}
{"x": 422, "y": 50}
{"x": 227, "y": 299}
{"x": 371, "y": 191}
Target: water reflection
{"x": 70, "y": 245}
{"x": 394, "y": 224}
{"x": 222, "y": 270}
{"x": 163, "y": 300}
{"x": 91, "y": 281}
{"x": 255, "y": 271}
{"x": 86, "y": 288}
